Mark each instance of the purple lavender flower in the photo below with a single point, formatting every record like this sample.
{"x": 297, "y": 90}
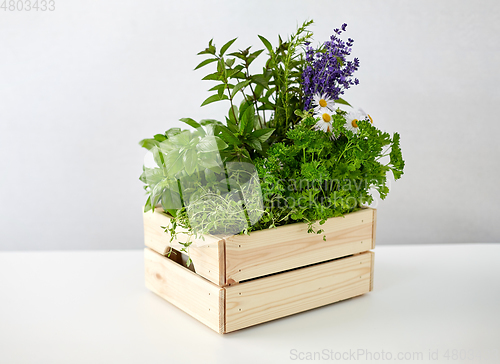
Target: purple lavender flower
{"x": 327, "y": 71}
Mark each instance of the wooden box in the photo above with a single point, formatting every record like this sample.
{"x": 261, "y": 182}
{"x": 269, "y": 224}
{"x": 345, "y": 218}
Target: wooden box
{"x": 244, "y": 280}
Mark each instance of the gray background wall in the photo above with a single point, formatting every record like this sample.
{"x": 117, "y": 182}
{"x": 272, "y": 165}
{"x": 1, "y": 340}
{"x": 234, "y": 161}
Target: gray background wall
{"x": 81, "y": 85}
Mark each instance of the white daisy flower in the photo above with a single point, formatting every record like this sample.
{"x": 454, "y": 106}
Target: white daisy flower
{"x": 323, "y": 103}
{"x": 325, "y": 121}
{"x": 353, "y": 117}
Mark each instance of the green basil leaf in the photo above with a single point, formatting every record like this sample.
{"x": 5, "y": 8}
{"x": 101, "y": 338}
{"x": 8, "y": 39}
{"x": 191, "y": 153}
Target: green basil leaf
{"x": 152, "y": 176}
{"x": 254, "y": 143}
{"x": 205, "y": 62}
{"x": 173, "y": 162}
{"x": 267, "y": 44}
{"x": 214, "y": 98}
{"x": 180, "y": 140}
{"x": 148, "y": 143}
{"x": 226, "y": 46}
{"x": 172, "y": 131}
{"x": 190, "y": 161}
{"x": 191, "y": 122}
{"x": 158, "y": 156}
{"x": 243, "y": 107}
{"x": 239, "y": 86}
{"x": 261, "y": 80}
{"x": 237, "y": 54}
{"x": 263, "y": 134}
{"x": 254, "y": 55}
{"x": 247, "y": 120}
{"x": 231, "y": 125}
{"x": 219, "y": 87}
{"x": 216, "y": 76}
{"x": 228, "y": 136}
{"x": 160, "y": 137}
{"x": 210, "y": 144}
{"x": 171, "y": 200}
{"x": 343, "y": 102}
{"x": 148, "y": 206}
{"x": 258, "y": 91}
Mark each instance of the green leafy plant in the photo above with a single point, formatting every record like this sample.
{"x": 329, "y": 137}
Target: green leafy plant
{"x": 287, "y": 152}
{"x": 324, "y": 179}
{"x": 285, "y": 67}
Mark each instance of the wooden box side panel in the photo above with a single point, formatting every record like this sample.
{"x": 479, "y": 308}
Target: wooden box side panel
{"x": 372, "y": 270}
{"x": 186, "y": 290}
{"x": 291, "y": 246}
{"x": 207, "y": 255}
{"x": 284, "y": 294}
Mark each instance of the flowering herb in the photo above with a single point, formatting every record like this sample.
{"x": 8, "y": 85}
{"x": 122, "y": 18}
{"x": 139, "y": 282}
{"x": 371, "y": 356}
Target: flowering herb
{"x": 328, "y": 71}
{"x": 286, "y": 152}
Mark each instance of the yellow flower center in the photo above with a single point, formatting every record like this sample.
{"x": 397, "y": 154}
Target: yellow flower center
{"x": 322, "y": 103}
{"x": 326, "y": 118}
{"x": 354, "y": 123}
{"x": 371, "y": 120}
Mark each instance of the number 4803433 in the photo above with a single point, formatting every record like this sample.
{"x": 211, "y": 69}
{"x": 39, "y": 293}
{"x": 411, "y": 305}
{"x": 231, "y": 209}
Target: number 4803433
{"x": 28, "y": 5}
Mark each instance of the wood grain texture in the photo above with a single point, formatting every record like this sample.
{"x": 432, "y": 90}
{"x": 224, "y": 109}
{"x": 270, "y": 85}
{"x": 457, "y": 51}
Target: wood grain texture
{"x": 374, "y": 233}
{"x": 372, "y": 270}
{"x": 207, "y": 255}
{"x": 274, "y": 250}
{"x": 193, "y": 294}
{"x": 264, "y": 299}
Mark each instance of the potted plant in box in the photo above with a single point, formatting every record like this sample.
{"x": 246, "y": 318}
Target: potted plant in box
{"x": 286, "y": 173}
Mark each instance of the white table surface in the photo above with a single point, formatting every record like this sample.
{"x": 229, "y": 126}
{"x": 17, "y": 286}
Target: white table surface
{"x": 92, "y": 307}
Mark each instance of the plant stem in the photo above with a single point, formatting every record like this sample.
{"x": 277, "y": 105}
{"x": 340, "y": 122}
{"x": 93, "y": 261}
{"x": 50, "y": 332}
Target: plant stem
{"x": 349, "y": 144}
{"x": 247, "y": 68}
{"x": 231, "y": 101}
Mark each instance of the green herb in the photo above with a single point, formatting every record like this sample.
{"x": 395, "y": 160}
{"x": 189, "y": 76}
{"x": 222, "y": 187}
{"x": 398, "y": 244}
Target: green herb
{"x": 272, "y": 162}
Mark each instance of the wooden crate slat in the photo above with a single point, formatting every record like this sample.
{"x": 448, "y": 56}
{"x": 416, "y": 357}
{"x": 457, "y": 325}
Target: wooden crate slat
{"x": 273, "y": 250}
{"x": 374, "y": 234}
{"x": 178, "y": 285}
{"x": 207, "y": 255}
{"x": 264, "y": 299}
{"x": 372, "y": 270}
